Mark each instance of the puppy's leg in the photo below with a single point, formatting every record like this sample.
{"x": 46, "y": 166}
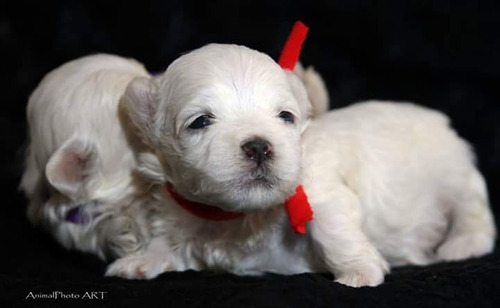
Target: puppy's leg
{"x": 120, "y": 236}
{"x": 337, "y": 233}
{"x": 472, "y": 233}
{"x": 148, "y": 264}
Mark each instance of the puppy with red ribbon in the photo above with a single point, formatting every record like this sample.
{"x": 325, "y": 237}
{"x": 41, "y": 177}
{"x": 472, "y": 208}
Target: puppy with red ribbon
{"x": 248, "y": 183}
{"x": 225, "y": 123}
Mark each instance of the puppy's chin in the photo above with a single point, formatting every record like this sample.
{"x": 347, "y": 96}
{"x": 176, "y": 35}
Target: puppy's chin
{"x": 255, "y": 197}
{"x": 255, "y": 194}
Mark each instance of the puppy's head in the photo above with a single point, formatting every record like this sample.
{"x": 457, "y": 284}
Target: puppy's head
{"x": 226, "y": 122}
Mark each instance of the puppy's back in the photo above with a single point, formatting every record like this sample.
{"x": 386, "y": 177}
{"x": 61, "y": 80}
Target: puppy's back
{"x": 80, "y": 99}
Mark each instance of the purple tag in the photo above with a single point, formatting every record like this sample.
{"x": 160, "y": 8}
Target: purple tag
{"x": 155, "y": 74}
{"x": 82, "y": 214}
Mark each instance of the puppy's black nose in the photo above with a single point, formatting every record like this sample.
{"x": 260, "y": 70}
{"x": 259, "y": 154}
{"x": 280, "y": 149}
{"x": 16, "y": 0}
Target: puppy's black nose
{"x": 257, "y": 150}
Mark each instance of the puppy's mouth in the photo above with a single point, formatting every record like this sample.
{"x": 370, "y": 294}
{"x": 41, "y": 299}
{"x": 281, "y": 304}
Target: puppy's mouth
{"x": 259, "y": 179}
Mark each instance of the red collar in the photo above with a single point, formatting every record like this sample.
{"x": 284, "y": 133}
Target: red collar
{"x": 297, "y": 206}
{"x": 201, "y": 210}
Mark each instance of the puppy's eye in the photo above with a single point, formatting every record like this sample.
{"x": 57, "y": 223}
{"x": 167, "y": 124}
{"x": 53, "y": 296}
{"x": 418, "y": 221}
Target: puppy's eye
{"x": 201, "y": 122}
{"x": 287, "y": 116}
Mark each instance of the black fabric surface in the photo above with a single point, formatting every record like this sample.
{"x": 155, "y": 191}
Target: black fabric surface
{"x": 442, "y": 54}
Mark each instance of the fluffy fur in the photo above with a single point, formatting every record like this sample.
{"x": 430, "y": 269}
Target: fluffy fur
{"x": 389, "y": 183}
{"x": 394, "y": 185}
{"x": 315, "y": 88}
{"x": 81, "y": 153}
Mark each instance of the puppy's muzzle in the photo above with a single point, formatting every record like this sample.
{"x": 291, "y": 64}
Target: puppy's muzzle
{"x": 257, "y": 150}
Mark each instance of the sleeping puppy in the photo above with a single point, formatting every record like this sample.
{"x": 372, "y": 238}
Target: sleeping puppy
{"x": 392, "y": 183}
{"x": 79, "y": 176}
{"x": 228, "y": 127}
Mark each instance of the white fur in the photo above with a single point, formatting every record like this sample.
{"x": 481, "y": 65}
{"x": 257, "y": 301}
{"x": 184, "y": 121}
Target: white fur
{"x": 315, "y": 87}
{"x": 207, "y": 165}
{"x": 394, "y": 181}
{"x": 81, "y": 154}
{"x": 389, "y": 183}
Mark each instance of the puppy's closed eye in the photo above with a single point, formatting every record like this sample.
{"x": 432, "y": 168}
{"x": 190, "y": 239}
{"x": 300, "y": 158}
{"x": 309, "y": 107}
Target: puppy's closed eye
{"x": 201, "y": 122}
{"x": 287, "y": 117}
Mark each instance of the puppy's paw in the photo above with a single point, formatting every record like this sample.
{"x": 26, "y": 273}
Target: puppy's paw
{"x": 368, "y": 273}
{"x": 144, "y": 266}
{"x": 465, "y": 246}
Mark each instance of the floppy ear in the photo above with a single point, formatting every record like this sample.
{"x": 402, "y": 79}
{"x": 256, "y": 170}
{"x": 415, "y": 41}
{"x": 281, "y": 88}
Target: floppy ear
{"x": 315, "y": 88}
{"x": 140, "y": 100}
{"x": 150, "y": 168}
{"x": 74, "y": 169}
{"x": 300, "y": 93}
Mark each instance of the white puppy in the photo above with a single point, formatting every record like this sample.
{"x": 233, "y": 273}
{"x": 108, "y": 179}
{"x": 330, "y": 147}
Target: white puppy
{"x": 392, "y": 182}
{"x": 79, "y": 168}
{"x": 227, "y": 125}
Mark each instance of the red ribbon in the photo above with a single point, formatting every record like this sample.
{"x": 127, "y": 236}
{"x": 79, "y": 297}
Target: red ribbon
{"x": 299, "y": 210}
{"x": 291, "y": 52}
{"x": 202, "y": 210}
{"x": 297, "y": 206}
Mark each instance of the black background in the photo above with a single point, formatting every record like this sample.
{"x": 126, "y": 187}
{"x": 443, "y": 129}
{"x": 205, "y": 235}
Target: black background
{"x": 442, "y": 54}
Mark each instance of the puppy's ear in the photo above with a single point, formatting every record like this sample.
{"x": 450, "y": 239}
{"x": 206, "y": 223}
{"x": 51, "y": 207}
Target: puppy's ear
{"x": 315, "y": 88}
{"x": 74, "y": 169}
{"x": 299, "y": 70}
{"x": 140, "y": 100}
{"x": 317, "y": 91}
{"x": 150, "y": 168}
